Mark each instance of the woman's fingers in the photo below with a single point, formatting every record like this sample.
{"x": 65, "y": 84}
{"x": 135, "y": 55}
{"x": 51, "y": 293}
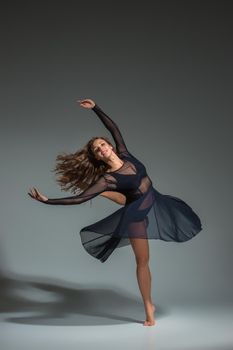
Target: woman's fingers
{"x": 34, "y": 193}
{"x": 38, "y": 194}
{"x": 31, "y": 195}
{"x": 81, "y": 101}
{"x": 87, "y": 103}
{"x": 31, "y": 192}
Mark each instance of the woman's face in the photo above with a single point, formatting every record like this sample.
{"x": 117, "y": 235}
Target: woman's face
{"x": 101, "y": 149}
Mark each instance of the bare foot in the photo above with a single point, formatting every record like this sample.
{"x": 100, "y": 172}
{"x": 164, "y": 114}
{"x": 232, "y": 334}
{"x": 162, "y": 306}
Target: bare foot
{"x": 150, "y": 320}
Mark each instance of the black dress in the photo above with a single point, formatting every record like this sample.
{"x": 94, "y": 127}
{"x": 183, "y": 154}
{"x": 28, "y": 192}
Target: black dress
{"x": 147, "y": 213}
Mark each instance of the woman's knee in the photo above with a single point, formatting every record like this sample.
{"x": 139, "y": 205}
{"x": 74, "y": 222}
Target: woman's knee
{"x": 142, "y": 260}
{"x": 141, "y": 251}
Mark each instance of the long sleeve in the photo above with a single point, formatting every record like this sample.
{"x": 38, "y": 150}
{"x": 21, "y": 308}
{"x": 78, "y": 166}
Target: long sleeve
{"x": 112, "y": 128}
{"x": 94, "y": 190}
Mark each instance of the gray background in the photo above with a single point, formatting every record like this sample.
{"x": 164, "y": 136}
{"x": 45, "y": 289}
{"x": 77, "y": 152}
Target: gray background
{"x": 163, "y": 72}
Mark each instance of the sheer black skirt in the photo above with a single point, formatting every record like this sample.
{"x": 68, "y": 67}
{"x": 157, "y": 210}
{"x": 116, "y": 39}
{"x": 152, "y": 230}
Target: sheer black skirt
{"x": 152, "y": 216}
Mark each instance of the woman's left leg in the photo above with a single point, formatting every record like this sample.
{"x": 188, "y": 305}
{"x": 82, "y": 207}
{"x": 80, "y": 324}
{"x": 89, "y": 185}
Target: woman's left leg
{"x": 141, "y": 250}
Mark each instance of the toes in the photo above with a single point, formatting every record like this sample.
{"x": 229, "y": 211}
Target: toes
{"x": 148, "y": 323}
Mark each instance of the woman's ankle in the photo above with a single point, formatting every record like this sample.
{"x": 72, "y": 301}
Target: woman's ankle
{"x": 149, "y": 303}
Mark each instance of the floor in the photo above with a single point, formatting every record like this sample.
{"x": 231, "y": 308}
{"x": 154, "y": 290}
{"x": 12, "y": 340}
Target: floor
{"x": 37, "y": 316}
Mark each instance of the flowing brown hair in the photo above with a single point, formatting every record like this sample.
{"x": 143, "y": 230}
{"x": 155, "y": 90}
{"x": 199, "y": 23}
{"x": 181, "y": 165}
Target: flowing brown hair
{"x": 77, "y": 171}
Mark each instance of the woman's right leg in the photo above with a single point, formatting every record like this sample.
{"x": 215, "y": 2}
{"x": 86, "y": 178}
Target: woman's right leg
{"x": 141, "y": 250}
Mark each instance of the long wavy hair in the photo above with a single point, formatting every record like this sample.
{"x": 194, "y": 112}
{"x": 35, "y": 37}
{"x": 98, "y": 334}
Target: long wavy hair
{"x": 77, "y": 171}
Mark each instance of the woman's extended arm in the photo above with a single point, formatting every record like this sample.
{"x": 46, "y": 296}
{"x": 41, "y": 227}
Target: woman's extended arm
{"x": 108, "y": 122}
{"x": 94, "y": 190}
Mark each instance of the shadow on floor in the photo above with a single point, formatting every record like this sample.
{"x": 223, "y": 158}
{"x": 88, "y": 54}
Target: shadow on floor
{"x": 44, "y": 301}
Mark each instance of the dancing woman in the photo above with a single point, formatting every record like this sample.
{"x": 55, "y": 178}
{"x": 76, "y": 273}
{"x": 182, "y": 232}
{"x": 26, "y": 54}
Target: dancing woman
{"x": 100, "y": 168}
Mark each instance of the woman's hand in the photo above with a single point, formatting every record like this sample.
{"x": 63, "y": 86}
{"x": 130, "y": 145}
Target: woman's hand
{"x": 34, "y": 193}
{"x": 87, "y": 103}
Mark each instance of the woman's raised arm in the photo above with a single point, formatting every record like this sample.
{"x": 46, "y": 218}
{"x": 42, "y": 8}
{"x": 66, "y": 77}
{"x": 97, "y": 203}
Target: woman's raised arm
{"x": 108, "y": 122}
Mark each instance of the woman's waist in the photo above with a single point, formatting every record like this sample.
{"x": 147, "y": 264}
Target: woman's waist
{"x": 133, "y": 195}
